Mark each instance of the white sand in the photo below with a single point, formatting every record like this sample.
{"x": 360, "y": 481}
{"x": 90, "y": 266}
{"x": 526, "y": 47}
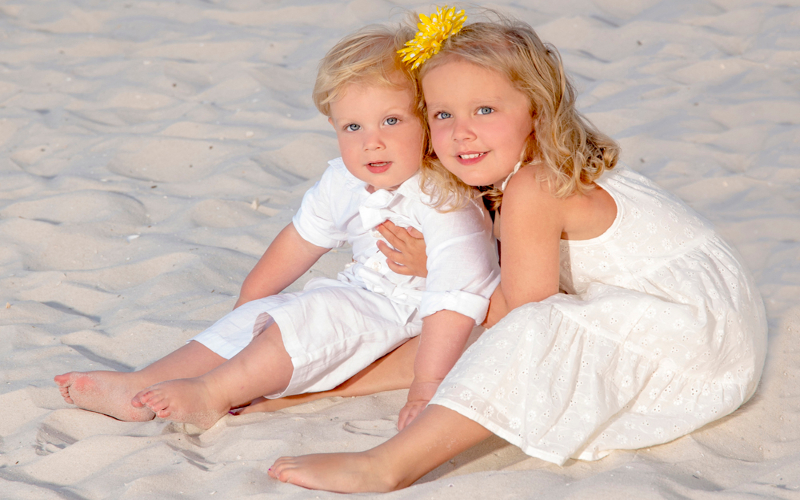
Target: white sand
{"x": 135, "y": 137}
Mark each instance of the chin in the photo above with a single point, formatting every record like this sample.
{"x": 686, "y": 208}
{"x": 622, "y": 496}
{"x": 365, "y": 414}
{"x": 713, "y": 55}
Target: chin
{"x": 476, "y": 182}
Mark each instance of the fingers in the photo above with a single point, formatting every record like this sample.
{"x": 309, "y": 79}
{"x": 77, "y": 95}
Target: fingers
{"x": 412, "y": 231}
{"x": 399, "y": 268}
{"x": 408, "y": 414}
{"x": 401, "y": 420}
{"x": 408, "y": 257}
{"x": 394, "y": 235}
{"x": 389, "y": 252}
{"x": 395, "y": 260}
{"x": 409, "y": 417}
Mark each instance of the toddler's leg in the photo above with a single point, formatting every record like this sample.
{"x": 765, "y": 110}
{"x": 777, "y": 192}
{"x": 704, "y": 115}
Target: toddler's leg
{"x": 110, "y": 393}
{"x": 391, "y": 372}
{"x": 263, "y": 367}
{"x": 435, "y": 436}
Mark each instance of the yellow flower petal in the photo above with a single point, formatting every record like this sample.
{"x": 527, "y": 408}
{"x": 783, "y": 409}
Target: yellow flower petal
{"x": 433, "y": 31}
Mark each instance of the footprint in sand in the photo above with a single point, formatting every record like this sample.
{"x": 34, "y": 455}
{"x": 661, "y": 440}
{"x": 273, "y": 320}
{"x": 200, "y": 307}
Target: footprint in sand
{"x": 49, "y": 440}
{"x": 384, "y": 428}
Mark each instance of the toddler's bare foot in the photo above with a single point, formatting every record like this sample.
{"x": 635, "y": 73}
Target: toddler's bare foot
{"x": 104, "y": 392}
{"x": 339, "y": 472}
{"x": 187, "y": 400}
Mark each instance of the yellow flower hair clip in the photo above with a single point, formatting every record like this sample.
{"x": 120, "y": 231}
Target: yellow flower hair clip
{"x": 433, "y": 31}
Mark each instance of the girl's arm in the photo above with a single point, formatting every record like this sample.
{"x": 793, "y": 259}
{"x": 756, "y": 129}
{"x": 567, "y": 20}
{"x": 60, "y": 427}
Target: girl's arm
{"x": 531, "y": 226}
{"x": 409, "y": 258}
{"x": 285, "y": 260}
{"x": 444, "y": 335}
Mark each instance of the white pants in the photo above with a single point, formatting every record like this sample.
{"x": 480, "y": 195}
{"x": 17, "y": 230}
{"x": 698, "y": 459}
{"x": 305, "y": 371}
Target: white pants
{"x": 331, "y": 330}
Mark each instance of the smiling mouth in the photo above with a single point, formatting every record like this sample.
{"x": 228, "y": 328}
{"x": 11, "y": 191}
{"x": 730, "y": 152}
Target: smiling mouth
{"x": 378, "y": 167}
{"x": 471, "y": 156}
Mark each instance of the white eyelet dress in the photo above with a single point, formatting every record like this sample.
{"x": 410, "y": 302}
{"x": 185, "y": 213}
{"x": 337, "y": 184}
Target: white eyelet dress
{"x": 661, "y": 330}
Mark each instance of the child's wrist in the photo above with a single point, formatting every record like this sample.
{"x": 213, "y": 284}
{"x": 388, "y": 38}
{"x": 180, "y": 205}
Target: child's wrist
{"x": 422, "y": 390}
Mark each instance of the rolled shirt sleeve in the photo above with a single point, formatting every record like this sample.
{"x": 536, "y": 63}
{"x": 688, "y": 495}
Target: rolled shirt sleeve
{"x": 463, "y": 269}
{"x": 462, "y": 259}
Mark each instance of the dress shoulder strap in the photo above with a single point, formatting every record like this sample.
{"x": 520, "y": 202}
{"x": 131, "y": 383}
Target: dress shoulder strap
{"x": 505, "y": 182}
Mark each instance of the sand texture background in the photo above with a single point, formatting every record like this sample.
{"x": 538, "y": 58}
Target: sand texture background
{"x": 150, "y": 151}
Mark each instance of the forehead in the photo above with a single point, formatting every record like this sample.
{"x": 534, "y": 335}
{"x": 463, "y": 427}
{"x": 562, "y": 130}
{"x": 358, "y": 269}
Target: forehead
{"x": 376, "y": 97}
{"x": 460, "y": 80}
{"x": 457, "y": 72}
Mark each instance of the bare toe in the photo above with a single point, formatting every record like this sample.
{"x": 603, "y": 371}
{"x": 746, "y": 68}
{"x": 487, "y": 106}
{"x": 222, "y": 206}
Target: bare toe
{"x": 65, "y": 394}
{"x": 184, "y": 400}
{"x": 63, "y": 380}
{"x": 103, "y": 392}
{"x": 339, "y": 472}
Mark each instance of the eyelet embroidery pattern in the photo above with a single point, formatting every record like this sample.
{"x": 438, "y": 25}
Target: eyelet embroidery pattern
{"x": 669, "y": 326}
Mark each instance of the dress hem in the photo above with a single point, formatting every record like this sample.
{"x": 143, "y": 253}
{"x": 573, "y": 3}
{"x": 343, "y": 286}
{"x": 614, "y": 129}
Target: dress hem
{"x": 503, "y": 433}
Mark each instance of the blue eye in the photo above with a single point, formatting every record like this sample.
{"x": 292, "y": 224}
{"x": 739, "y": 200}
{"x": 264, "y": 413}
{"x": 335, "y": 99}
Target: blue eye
{"x": 391, "y": 121}
{"x": 442, "y": 115}
{"x": 352, "y": 127}
{"x": 485, "y": 110}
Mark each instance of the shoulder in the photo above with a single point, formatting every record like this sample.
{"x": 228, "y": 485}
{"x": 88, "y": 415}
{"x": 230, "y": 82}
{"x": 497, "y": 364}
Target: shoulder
{"x": 529, "y": 189}
{"x": 529, "y": 210}
{"x": 440, "y": 225}
{"x": 338, "y": 176}
{"x": 427, "y": 200}
{"x": 336, "y": 168}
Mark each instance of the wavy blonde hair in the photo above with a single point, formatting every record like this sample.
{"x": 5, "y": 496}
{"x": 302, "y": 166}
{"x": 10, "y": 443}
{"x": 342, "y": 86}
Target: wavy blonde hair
{"x": 368, "y": 55}
{"x": 573, "y": 151}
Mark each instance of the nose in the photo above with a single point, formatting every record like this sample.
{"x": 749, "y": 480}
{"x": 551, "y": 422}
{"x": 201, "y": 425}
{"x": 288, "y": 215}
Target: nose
{"x": 462, "y": 130}
{"x": 373, "y": 141}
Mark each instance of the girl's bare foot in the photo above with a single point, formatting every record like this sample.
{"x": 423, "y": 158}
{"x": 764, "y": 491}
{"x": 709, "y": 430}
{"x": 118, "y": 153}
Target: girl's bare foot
{"x": 188, "y": 400}
{"x": 339, "y": 472}
{"x": 104, "y": 392}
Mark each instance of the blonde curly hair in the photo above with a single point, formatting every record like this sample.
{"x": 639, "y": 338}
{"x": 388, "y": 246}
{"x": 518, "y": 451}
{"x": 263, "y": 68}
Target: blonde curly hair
{"x": 572, "y": 150}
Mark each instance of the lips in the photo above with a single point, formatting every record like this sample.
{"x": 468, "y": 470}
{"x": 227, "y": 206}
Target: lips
{"x": 378, "y": 167}
{"x": 470, "y": 157}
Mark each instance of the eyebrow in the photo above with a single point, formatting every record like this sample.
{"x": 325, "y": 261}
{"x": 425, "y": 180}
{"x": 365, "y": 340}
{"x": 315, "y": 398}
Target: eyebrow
{"x": 483, "y": 101}
{"x": 389, "y": 112}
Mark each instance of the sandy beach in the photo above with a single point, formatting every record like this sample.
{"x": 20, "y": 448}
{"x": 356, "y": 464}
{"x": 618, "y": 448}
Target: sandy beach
{"x": 150, "y": 151}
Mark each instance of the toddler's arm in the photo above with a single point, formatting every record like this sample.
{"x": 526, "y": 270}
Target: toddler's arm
{"x": 444, "y": 335}
{"x": 286, "y": 259}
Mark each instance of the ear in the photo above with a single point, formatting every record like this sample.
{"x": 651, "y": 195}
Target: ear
{"x": 330, "y": 120}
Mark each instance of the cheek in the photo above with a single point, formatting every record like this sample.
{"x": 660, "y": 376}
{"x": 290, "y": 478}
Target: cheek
{"x": 517, "y": 137}
{"x": 438, "y": 139}
{"x": 350, "y": 155}
{"x": 418, "y": 136}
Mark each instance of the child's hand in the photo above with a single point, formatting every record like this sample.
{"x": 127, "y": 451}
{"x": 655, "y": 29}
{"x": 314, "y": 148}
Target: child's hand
{"x": 410, "y": 412}
{"x": 408, "y": 257}
{"x": 419, "y": 394}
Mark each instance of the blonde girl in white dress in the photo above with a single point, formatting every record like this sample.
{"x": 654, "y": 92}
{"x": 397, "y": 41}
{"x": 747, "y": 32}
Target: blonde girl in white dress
{"x": 626, "y": 320}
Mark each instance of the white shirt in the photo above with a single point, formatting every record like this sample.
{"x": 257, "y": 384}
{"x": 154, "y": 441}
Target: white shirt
{"x": 463, "y": 268}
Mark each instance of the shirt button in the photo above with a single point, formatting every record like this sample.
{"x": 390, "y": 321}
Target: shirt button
{"x": 375, "y": 234}
{"x": 375, "y": 266}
